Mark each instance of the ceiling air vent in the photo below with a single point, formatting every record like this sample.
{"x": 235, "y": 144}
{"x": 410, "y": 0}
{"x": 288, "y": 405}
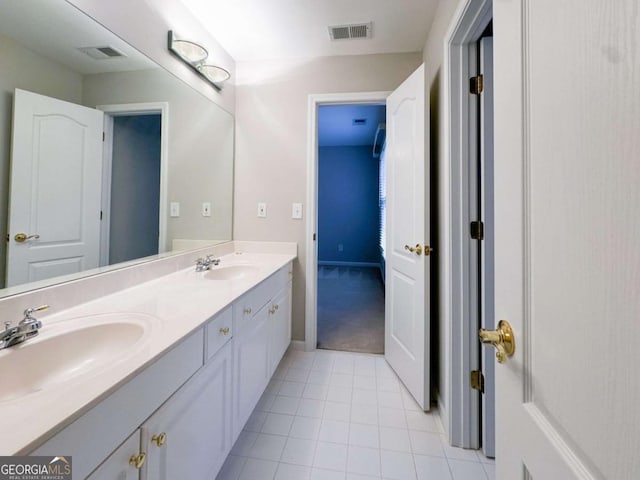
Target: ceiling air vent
{"x": 102, "y": 53}
{"x": 355, "y": 30}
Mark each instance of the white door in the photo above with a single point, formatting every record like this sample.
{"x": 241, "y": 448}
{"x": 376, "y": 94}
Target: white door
{"x": 407, "y": 287}
{"x": 567, "y": 197}
{"x": 55, "y": 188}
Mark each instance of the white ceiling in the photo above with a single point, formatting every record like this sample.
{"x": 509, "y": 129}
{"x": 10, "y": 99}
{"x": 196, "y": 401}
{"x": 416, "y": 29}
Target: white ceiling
{"x": 277, "y": 29}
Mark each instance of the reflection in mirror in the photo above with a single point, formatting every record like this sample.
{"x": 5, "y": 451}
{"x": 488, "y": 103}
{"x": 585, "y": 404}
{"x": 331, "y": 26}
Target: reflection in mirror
{"x": 161, "y": 180}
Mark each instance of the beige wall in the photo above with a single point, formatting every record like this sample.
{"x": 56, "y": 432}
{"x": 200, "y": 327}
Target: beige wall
{"x": 22, "y": 68}
{"x": 271, "y": 141}
{"x": 433, "y": 56}
{"x": 144, "y": 25}
{"x": 200, "y": 149}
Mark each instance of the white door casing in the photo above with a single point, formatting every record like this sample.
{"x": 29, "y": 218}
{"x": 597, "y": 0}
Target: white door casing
{"x": 487, "y": 314}
{"x": 55, "y": 188}
{"x": 311, "y": 262}
{"x": 567, "y": 117}
{"x": 406, "y": 285}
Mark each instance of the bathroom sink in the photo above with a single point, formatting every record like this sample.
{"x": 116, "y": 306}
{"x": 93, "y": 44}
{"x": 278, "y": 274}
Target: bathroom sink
{"x": 230, "y": 272}
{"x": 70, "y": 349}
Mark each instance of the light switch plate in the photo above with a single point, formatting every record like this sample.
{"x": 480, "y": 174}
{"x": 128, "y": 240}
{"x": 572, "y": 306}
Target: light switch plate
{"x": 262, "y": 210}
{"x": 296, "y": 211}
{"x": 174, "y": 209}
{"x": 206, "y": 209}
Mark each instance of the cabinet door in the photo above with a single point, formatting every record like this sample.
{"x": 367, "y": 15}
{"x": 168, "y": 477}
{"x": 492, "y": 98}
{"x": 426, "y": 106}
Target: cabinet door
{"x": 121, "y": 464}
{"x": 279, "y": 327}
{"x": 190, "y": 436}
{"x": 251, "y": 367}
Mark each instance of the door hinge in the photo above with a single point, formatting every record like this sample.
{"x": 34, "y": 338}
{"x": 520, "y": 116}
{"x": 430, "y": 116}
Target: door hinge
{"x": 100, "y": 214}
{"x": 103, "y": 136}
{"x": 314, "y": 237}
{"x": 477, "y": 380}
{"x": 7, "y": 237}
{"x": 477, "y": 230}
{"x": 476, "y": 84}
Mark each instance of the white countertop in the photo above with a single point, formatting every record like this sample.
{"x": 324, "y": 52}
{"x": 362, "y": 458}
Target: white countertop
{"x": 174, "y": 306}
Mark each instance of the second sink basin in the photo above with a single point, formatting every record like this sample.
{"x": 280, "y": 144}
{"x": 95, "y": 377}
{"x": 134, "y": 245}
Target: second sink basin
{"x": 230, "y": 272}
{"x": 73, "y": 348}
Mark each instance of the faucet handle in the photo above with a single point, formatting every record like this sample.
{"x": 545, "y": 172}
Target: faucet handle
{"x": 29, "y": 311}
{"x": 7, "y": 326}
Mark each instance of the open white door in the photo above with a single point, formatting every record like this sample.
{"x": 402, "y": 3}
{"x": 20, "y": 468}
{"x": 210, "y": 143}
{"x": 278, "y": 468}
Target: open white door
{"x": 567, "y": 218}
{"x": 55, "y": 188}
{"x": 406, "y": 285}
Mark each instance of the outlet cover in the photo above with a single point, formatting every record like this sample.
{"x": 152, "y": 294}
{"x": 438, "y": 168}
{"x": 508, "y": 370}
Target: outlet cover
{"x": 174, "y": 209}
{"x": 296, "y": 211}
{"x": 206, "y": 209}
{"x": 262, "y": 210}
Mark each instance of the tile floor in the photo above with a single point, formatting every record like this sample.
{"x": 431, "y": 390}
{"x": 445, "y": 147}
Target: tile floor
{"x": 333, "y": 415}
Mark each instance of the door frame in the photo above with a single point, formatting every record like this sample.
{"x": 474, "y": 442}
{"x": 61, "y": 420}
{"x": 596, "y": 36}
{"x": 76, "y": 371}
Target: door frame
{"x": 133, "y": 109}
{"x": 458, "y": 281}
{"x": 311, "y": 274}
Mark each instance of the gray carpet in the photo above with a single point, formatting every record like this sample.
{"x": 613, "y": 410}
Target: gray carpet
{"x": 350, "y": 309}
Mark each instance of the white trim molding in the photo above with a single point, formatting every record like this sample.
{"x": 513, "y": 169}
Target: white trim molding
{"x": 314, "y": 101}
{"x": 462, "y": 409}
{"x": 161, "y": 108}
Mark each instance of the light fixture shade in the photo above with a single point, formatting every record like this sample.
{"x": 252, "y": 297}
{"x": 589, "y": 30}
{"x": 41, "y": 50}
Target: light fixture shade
{"x": 190, "y": 52}
{"x": 214, "y": 73}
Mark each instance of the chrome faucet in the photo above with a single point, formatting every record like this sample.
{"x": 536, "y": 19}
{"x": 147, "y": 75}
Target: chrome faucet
{"x": 26, "y": 329}
{"x": 203, "y": 264}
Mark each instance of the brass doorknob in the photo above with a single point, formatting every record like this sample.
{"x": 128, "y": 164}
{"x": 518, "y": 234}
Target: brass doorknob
{"x": 224, "y": 330}
{"x": 23, "y": 237}
{"x": 417, "y": 249}
{"x": 501, "y": 338}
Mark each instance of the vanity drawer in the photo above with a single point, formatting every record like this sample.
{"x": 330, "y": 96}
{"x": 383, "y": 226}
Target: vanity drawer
{"x": 246, "y": 307}
{"x": 219, "y": 332}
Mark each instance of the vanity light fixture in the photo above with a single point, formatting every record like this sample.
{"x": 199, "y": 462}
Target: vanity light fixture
{"x": 195, "y": 56}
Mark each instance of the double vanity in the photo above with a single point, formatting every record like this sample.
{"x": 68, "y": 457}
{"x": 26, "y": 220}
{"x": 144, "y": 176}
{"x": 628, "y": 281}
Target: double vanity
{"x": 156, "y": 370}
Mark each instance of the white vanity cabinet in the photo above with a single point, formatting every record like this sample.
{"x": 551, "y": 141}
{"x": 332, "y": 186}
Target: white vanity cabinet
{"x": 124, "y": 463}
{"x": 190, "y": 435}
{"x": 251, "y": 366}
{"x": 279, "y": 327}
{"x": 187, "y": 408}
{"x": 262, "y": 333}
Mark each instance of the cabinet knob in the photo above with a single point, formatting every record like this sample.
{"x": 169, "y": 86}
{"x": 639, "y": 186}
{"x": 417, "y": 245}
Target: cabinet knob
{"x": 247, "y": 311}
{"x": 159, "y": 439}
{"x": 138, "y": 460}
{"x": 224, "y": 330}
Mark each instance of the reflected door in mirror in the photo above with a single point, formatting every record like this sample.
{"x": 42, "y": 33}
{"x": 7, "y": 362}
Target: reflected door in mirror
{"x": 55, "y": 188}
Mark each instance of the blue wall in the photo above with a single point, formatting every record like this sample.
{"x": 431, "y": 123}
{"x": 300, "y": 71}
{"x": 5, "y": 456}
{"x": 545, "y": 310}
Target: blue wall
{"x": 348, "y": 205}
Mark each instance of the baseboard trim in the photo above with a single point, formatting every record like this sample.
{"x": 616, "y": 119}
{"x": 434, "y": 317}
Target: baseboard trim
{"x": 296, "y": 345}
{"x": 329, "y": 263}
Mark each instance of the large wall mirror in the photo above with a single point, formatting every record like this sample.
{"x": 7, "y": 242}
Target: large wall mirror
{"x": 105, "y": 157}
